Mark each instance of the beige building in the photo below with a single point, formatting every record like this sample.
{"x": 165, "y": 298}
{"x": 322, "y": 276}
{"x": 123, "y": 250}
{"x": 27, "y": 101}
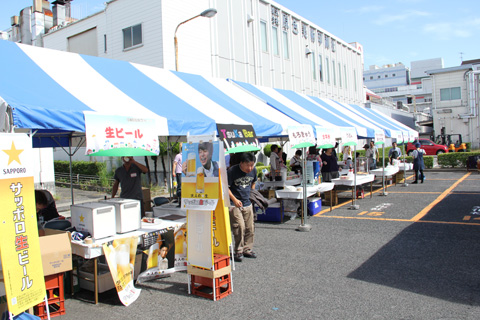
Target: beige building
{"x": 456, "y": 101}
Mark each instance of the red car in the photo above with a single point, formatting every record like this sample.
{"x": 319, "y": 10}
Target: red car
{"x": 430, "y": 147}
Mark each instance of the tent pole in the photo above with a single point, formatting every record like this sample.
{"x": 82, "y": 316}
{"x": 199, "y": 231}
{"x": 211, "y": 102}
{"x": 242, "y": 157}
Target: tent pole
{"x": 383, "y": 171}
{"x": 71, "y": 166}
{"x": 304, "y": 227}
{"x": 354, "y": 205}
{"x": 404, "y": 166}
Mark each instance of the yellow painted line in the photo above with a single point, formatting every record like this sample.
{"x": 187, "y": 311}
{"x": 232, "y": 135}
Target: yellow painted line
{"x": 438, "y": 192}
{"x": 348, "y": 202}
{"x": 402, "y": 220}
{"x": 422, "y": 213}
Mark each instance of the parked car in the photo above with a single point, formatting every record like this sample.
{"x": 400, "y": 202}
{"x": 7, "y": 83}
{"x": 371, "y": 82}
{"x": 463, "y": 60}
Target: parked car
{"x": 430, "y": 147}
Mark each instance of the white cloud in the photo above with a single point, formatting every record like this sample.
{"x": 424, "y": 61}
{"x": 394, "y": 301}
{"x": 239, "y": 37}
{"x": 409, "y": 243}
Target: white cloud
{"x": 386, "y": 19}
{"x": 367, "y": 9}
{"x": 447, "y": 30}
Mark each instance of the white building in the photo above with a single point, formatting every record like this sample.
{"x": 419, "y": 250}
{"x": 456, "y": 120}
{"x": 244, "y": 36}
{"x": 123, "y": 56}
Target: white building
{"x": 259, "y": 42}
{"x": 456, "y": 101}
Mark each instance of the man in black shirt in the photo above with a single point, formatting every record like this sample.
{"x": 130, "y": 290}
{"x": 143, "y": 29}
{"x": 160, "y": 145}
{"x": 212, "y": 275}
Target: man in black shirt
{"x": 241, "y": 180}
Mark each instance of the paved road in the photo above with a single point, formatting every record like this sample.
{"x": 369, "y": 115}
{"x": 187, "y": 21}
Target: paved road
{"x": 414, "y": 254}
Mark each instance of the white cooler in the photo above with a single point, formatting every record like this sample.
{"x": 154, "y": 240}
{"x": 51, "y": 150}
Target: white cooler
{"x": 97, "y": 218}
{"x": 128, "y": 214}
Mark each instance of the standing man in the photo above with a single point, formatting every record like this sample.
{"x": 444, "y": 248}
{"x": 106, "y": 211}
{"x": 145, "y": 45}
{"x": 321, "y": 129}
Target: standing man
{"x": 129, "y": 176}
{"x": 241, "y": 180}
{"x": 177, "y": 173}
{"x": 392, "y": 150}
{"x": 372, "y": 156}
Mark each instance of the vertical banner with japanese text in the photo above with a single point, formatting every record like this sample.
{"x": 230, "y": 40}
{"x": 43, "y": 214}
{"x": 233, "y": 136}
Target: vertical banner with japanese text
{"x": 114, "y": 135}
{"x": 19, "y": 245}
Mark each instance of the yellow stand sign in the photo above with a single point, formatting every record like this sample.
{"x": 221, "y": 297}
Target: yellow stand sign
{"x": 19, "y": 245}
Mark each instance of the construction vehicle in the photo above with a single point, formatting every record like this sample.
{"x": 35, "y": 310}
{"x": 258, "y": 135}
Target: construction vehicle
{"x": 453, "y": 142}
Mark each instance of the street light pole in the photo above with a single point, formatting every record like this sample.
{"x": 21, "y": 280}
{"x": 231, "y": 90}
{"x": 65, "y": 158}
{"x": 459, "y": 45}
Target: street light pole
{"x": 209, "y": 13}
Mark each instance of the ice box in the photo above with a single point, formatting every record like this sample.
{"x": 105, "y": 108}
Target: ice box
{"x": 97, "y": 218}
{"x": 127, "y": 214}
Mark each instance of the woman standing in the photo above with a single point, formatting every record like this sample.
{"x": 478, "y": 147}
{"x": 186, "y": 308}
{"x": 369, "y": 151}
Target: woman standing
{"x": 329, "y": 165}
{"x": 418, "y": 164}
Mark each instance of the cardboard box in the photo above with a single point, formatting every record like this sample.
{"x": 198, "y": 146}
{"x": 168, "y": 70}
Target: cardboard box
{"x": 56, "y": 250}
{"x": 97, "y": 218}
{"x": 333, "y": 200}
{"x": 127, "y": 214}
{"x": 105, "y": 280}
{"x": 147, "y": 199}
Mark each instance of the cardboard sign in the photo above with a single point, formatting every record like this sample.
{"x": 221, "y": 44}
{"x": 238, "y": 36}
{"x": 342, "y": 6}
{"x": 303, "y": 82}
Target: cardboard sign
{"x": 301, "y": 136}
{"x": 199, "y": 230}
{"x": 113, "y": 135}
{"x": 201, "y": 171}
{"x": 120, "y": 255}
{"x": 238, "y": 138}
{"x": 19, "y": 244}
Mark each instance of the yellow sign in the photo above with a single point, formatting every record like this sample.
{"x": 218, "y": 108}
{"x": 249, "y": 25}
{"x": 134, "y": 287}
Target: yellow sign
{"x": 20, "y": 248}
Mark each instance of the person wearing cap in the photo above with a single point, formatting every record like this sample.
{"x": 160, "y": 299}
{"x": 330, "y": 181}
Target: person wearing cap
{"x": 418, "y": 164}
{"x": 128, "y": 176}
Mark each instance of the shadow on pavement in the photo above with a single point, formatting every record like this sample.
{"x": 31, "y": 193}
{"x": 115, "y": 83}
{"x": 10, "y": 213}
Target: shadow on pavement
{"x": 431, "y": 259}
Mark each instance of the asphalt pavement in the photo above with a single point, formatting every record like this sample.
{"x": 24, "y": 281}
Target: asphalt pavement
{"x": 412, "y": 254}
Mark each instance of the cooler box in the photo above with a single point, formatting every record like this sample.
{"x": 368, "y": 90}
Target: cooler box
{"x": 127, "y": 214}
{"x": 314, "y": 206}
{"x": 273, "y": 213}
{"x": 97, "y": 218}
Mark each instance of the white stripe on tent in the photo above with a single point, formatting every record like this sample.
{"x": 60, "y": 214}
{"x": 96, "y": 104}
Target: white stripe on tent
{"x": 77, "y": 77}
{"x": 190, "y": 95}
{"x": 361, "y": 130}
{"x": 349, "y": 113}
{"x": 253, "y": 103}
{"x": 295, "y": 107}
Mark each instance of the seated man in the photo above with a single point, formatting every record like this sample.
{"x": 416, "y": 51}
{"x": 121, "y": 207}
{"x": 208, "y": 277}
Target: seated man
{"x": 46, "y": 208}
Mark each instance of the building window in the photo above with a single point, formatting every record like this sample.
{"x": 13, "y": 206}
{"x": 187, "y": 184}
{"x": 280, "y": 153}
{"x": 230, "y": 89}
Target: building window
{"x": 275, "y": 49}
{"x": 327, "y": 42}
{"x": 378, "y": 77}
{"x": 314, "y": 67}
{"x": 105, "y": 43}
{"x": 450, "y": 94}
{"x": 386, "y": 76}
{"x": 334, "y": 74}
{"x": 333, "y": 45}
{"x": 371, "y": 77}
{"x": 275, "y": 19}
{"x": 286, "y": 53}
{"x": 320, "y": 71}
{"x": 327, "y": 70}
{"x": 393, "y": 75}
{"x": 132, "y": 36}
{"x": 345, "y": 75}
{"x": 263, "y": 34}
{"x": 339, "y": 75}
{"x": 319, "y": 37}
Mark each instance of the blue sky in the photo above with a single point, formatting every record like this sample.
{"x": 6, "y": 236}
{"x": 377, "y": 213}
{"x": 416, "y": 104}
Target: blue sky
{"x": 390, "y": 31}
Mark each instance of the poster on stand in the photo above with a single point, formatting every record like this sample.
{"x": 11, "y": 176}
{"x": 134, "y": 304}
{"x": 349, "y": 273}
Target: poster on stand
{"x": 200, "y": 240}
{"x": 167, "y": 255}
{"x": 19, "y": 244}
{"x": 201, "y": 172}
{"x": 114, "y": 135}
{"x": 120, "y": 255}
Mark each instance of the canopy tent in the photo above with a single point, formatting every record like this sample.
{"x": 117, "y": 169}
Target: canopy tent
{"x": 309, "y": 111}
{"x": 392, "y": 127}
{"x": 48, "y": 91}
